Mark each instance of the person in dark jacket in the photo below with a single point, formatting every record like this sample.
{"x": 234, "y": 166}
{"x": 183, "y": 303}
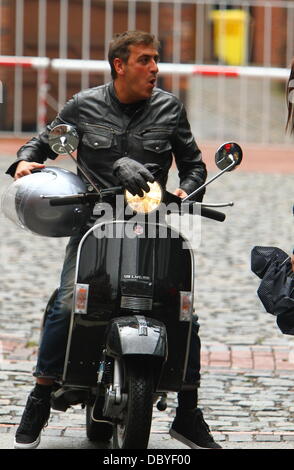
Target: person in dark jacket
{"x": 122, "y": 126}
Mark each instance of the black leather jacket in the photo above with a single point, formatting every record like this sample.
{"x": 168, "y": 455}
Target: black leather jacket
{"x": 153, "y": 133}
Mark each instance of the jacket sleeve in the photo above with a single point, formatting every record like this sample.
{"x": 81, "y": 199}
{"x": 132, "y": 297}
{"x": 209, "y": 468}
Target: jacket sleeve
{"x": 37, "y": 149}
{"x": 191, "y": 167}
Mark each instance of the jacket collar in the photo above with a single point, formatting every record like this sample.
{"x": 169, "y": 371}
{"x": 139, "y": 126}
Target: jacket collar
{"x": 116, "y": 100}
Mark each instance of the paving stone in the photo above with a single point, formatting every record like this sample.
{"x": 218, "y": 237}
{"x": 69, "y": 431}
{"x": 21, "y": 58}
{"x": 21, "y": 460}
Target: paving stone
{"x": 72, "y": 432}
{"x": 240, "y": 403}
{"x": 241, "y": 437}
{"x": 231, "y": 413}
{"x": 53, "y": 431}
{"x": 268, "y": 437}
{"x": 264, "y": 408}
{"x": 4, "y": 428}
{"x": 288, "y": 437}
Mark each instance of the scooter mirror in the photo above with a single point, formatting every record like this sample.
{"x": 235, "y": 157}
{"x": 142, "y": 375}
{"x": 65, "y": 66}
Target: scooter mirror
{"x": 228, "y": 156}
{"x": 63, "y": 139}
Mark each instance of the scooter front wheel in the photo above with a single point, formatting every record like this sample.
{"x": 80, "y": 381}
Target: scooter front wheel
{"x": 133, "y": 429}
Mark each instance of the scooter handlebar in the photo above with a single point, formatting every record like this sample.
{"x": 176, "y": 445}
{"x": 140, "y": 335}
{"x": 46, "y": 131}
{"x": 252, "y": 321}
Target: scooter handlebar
{"x": 204, "y": 211}
{"x": 83, "y": 198}
{"x": 66, "y": 200}
{"x": 212, "y": 214}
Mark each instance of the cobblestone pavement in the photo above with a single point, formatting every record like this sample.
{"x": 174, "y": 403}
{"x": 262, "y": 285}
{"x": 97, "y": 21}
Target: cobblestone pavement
{"x": 247, "y": 363}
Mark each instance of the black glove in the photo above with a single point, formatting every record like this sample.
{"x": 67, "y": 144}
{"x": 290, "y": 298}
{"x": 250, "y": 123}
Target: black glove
{"x": 132, "y": 175}
{"x": 154, "y": 169}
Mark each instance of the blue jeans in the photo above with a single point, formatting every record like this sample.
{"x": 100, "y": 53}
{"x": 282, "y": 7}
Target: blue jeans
{"x": 54, "y": 337}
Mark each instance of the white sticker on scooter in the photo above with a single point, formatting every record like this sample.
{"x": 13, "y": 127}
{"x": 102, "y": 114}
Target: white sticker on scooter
{"x": 81, "y": 298}
{"x": 186, "y": 305}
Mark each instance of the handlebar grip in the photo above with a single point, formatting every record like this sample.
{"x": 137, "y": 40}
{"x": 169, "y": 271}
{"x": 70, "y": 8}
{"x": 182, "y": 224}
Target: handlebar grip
{"x": 212, "y": 214}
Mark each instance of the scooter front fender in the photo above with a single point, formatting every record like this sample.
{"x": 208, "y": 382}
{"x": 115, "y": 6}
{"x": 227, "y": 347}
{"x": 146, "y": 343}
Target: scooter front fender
{"x": 136, "y": 335}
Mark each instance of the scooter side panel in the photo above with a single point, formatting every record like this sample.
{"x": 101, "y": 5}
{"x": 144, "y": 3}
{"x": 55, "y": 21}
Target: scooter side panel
{"x": 173, "y": 274}
{"x": 97, "y": 267}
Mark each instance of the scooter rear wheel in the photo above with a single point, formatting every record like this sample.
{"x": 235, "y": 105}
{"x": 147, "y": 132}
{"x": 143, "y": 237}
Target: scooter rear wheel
{"x": 133, "y": 429}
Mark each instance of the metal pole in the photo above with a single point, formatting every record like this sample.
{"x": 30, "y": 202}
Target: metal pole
{"x": 108, "y": 32}
{"x": 177, "y": 12}
{"x": 131, "y": 14}
{"x": 154, "y": 17}
{"x": 1, "y": 25}
{"x": 221, "y": 80}
{"x": 244, "y": 86}
{"x": 18, "y": 74}
{"x": 290, "y": 34}
{"x": 266, "y": 91}
{"x": 199, "y": 59}
{"x": 86, "y": 34}
{"x": 62, "y": 51}
{"x": 42, "y": 73}
{"x": 200, "y": 31}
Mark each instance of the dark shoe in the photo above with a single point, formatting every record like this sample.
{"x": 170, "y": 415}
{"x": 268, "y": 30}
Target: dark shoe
{"x": 34, "y": 418}
{"x": 190, "y": 428}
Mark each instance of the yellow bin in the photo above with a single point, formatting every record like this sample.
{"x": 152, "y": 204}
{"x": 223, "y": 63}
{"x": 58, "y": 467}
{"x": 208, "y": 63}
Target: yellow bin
{"x": 230, "y": 33}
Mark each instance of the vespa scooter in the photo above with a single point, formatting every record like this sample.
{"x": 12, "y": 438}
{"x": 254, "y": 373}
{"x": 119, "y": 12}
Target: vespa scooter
{"x": 130, "y": 328}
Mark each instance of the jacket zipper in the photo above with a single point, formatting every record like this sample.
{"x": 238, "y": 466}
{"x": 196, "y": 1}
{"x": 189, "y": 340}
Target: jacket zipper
{"x": 99, "y": 126}
{"x": 156, "y": 129}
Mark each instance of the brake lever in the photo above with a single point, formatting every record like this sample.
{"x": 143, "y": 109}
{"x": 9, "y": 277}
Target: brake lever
{"x": 220, "y": 204}
{"x": 112, "y": 190}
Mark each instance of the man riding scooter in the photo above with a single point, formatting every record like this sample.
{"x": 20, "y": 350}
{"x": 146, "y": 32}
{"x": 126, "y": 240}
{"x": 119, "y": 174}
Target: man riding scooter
{"x": 123, "y": 126}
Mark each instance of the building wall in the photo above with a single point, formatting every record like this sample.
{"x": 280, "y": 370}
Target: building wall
{"x": 278, "y": 41}
{"x": 186, "y": 35}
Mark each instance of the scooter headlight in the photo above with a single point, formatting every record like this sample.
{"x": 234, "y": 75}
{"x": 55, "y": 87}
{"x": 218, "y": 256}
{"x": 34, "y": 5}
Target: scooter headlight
{"x": 148, "y": 202}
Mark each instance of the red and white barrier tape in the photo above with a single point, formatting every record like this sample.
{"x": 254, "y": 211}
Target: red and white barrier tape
{"x": 177, "y": 69}
{"x": 42, "y": 65}
{"x": 26, "y": 62}
{"x": 77, "y": 65}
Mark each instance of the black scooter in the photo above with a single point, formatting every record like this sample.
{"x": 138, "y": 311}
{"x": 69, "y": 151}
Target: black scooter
{"x": 129, "y": 336}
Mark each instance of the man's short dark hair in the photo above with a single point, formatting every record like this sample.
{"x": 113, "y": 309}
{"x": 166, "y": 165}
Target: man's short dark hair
{"x": 119, "y": 46}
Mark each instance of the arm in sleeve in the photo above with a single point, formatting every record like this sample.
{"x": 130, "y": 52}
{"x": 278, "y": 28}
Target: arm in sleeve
{"x": 191, "y": 167}
{"x": 37, "y": 149}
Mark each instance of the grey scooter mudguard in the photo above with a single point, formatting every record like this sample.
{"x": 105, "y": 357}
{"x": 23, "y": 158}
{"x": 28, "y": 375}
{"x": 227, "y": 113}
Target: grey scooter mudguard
{"x": 136, "y": 335}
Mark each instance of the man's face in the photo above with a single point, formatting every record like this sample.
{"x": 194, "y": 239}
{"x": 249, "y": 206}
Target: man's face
{"x": 137, "y": 77}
